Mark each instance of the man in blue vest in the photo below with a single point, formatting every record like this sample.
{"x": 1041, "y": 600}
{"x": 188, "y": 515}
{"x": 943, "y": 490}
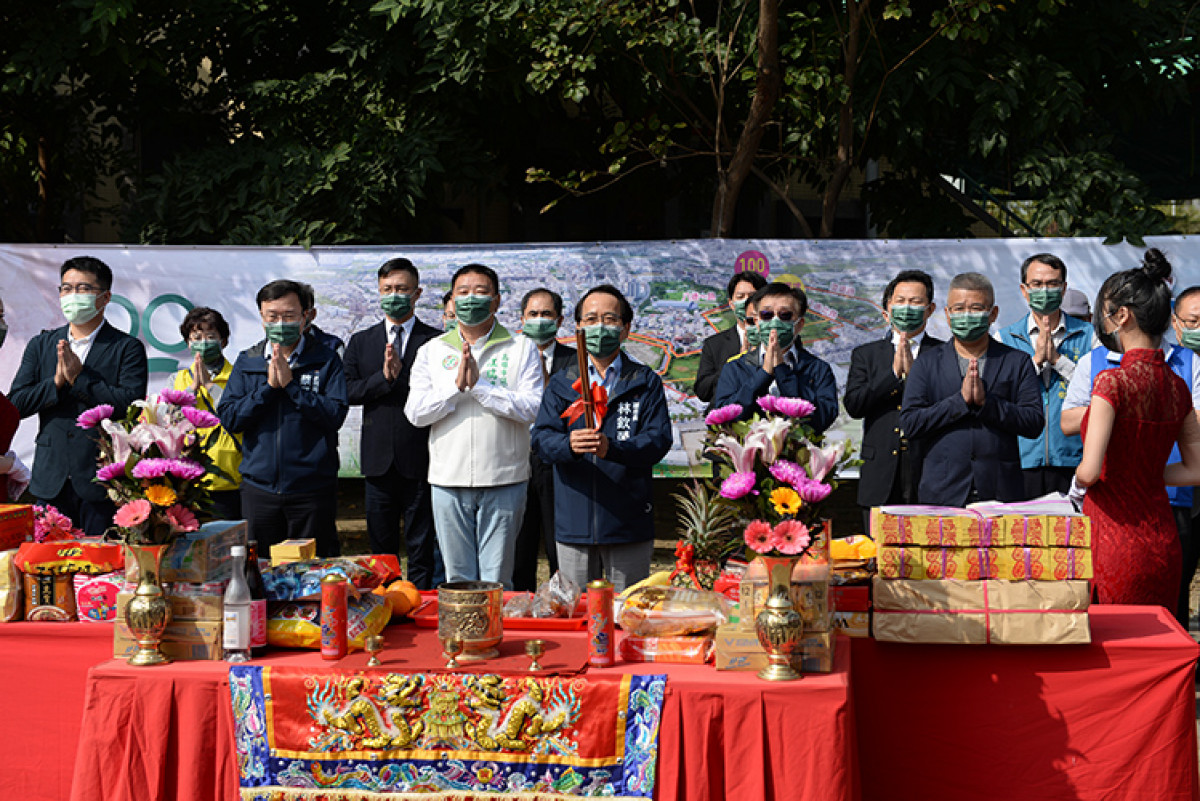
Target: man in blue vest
{"x": 1186, "y": 365}
{"x": 1055, "y": 341}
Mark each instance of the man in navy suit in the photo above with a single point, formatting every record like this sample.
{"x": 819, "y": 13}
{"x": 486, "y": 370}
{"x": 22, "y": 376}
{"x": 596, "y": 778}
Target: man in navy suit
{"x": 968, "y": 401}
{"x": 891, "y": 465}
{"x": 66, "y": 371}
{"x": 780, "y": 365}
{"x": 724, "y": 345}
{"x": 541, "y": 317}
{"x": 394, "y": 453}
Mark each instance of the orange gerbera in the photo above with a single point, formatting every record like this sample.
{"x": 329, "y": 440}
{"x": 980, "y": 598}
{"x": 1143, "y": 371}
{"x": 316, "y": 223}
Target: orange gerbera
{"x": 159, "y": 495}
{"x": 786, "y": 501}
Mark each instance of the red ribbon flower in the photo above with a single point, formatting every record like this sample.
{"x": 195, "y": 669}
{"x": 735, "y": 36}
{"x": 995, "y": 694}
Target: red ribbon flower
{"x": 599, "y": 399}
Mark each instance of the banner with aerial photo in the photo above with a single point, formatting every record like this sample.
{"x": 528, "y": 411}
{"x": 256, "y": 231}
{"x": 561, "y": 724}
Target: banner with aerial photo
{"x": 677, "y": 289}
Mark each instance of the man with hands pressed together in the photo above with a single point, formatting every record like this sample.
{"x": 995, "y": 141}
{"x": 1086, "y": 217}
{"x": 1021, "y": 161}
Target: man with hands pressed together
{"x": 287, "y": 397}
{"x": 966, "y": 402}
{"x": 603, "y": 484}
{"x": 780, "y": 365}
{"x": 66, "y": 371}
{"x": 891, "y": 468}
{"x": 1055, "y": 342}
{"x": 477, "y": 387}
{"x": 722, "y": 346}
{"x": 394, "y": 454}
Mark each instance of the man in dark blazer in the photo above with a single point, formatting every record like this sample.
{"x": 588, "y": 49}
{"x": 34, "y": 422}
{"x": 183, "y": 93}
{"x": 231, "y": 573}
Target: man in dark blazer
{"x": 394, "y": 453}
{"x": 724, "y": 345}
{"x": 891, "y": 464}
{"x": 780, "y": 365}
{"x": 66, "y": 371}
{"x": 541, "y": 317}
{"x": 968, "y": 401}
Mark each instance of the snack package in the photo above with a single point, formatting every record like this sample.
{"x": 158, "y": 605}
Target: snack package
{"x": 678, "y": 650}
{"x": 558, "y": 597}
{"x": 10, "y": 588}
{"x": 301, "y": 581}
{"x": 96, "y": 596}
{"x": 672, "y": 611}
{"x": 297, "y": 624}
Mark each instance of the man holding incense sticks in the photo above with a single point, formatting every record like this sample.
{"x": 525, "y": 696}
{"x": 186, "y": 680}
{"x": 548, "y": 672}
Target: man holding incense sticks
{"x": 603, "y": 510}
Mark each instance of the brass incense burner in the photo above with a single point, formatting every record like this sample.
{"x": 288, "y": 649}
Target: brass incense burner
{"x": 471, "y": 612}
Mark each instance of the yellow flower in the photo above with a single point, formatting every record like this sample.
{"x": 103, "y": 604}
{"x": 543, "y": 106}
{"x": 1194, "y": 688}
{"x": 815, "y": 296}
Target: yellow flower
{"x": 786, "y": 501}
{"x": 159, "y": 495}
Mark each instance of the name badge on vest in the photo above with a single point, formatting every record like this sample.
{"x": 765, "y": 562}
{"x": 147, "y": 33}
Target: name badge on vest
{"x": 627, "y": 415}
{"x": 310, "y": 382}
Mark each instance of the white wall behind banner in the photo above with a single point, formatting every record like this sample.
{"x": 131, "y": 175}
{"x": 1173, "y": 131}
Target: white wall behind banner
{"x": 676, "y": 287}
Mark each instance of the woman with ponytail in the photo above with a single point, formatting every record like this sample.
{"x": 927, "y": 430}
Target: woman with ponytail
{"x": 1138, "y": 412}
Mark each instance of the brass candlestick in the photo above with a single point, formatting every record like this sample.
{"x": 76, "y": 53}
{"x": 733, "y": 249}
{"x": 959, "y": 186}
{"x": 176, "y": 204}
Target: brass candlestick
{"x": 373, "y": 645}
{"x": 452, "y": 646}
{"x": 534, "y": 649}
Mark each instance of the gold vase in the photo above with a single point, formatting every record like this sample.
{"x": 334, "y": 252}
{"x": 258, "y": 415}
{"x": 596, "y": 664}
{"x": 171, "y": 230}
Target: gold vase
{"x": 778, "y": 626}
{"x": 149, "y": 612}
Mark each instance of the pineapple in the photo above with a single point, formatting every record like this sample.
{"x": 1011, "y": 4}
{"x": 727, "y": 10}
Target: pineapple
{"x": 709, "y": 525}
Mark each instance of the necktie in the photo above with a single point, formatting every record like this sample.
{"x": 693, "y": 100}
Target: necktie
{"x": 398, "y": 341}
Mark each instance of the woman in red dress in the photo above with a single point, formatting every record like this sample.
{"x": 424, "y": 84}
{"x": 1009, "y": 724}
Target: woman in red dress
{"x": 1138, "y": 412}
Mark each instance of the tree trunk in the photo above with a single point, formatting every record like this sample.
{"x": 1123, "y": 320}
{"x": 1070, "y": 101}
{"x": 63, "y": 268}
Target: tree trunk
{"x": 42, "y": 230}
{"x": 766, "y": 93}
{"x": 845, "y": 147}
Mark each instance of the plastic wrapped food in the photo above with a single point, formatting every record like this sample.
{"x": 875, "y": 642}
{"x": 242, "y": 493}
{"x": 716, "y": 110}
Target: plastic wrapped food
{"x": 297, "y": 624}
{"x": 672, "y": 611}
{"x": 556, "y": 598}
{"x": 520, "y": 605}
{"x": 301, "y": 581}
{"x": 678, "y": 650}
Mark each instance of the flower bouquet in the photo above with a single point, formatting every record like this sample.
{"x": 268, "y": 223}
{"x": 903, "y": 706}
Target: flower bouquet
{"x": 775, "y": 471}
{"x": 153, "y": 464}
{"x": 51, "y": 525}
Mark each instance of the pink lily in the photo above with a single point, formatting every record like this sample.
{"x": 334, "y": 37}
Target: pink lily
{"x": 822, "y": 460}
{"x": 741, "y": 455}
{"x": 769, "y": 435}
{"x": 120, "y": 441}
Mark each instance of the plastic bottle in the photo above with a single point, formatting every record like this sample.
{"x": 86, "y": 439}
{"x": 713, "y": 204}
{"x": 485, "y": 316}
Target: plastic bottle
{"x": 237, "y": 612}
{"x": 258, "y": 603}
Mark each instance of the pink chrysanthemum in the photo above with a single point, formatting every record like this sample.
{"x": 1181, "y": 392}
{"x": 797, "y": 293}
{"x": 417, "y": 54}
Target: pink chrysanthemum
{"x": 111, "y": 471}
{"x": 723, "y": 415}
{"x": 790, "y": 537}
{"x": 151, "y": 468}
{"x": 178, "y": 397}
{"x": 788, "y": 472}
{"x": 738, "y": 485}
{"x": 133, "y": 513}
{"x": 182, "y": 519}
{"x": 184, "y": 469}
{"x": 200, "y": 418}
{"x": 812, "y": 491}
{"x": 758, "y": 536}
{"x": 92, "y": 417}
{"x": 794, "y": 407}
{"x": 767, "y": 403}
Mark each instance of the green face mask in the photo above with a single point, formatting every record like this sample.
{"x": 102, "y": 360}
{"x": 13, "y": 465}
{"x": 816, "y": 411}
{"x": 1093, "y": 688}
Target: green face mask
{"x": 396, "y": 305}
{"x": 907, "y": 319}
{"x": 753, "y": 338}
{"x": 1045, "y": 301}
{"x": 283, "y": 333}
{"x": 450, "y": 323}
{"x": 969, "y": 326}
{"x": 540, "y": 329}
{"x": 1190, "y": 338}
{"x": 472, "y": 309}
{"x": 785, "y": 332}
{"x": 209, "y": 349}
{"x": 79, "y": 307}
{"x": 739, "y": 310}
{"x": 602, "y": 340}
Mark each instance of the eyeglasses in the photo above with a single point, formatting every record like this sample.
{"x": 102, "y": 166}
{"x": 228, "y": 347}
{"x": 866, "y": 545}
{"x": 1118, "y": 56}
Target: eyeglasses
{"x": 967, "y": 309}
{"x": 290, "y": 317}
{"x": 1056, "y": 284}
{"x": 785, "y": 315}
{"x": 606, "y": 319}
{"x": 70, "y": 289}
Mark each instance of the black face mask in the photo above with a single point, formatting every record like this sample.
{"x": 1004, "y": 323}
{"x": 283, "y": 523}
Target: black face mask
{"x": 1110, "y": 341}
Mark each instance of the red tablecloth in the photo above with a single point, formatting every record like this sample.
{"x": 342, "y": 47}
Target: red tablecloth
{"x": 723, "y": 735}
{"x": 43, "y": 671}
{"x": 1111, "y": 720}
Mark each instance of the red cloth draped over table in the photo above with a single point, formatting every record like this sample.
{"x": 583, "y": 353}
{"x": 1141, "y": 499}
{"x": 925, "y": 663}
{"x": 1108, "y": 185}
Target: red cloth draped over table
{"x": 351, "y": 735}
{"x": 1113, "y": 720}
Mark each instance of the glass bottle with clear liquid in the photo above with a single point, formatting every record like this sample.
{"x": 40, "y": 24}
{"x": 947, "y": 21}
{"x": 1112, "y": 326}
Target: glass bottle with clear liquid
{"x": 238, "y": 612}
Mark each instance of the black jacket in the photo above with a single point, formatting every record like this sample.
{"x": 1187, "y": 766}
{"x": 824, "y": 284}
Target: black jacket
{"x": 718, "y": 349}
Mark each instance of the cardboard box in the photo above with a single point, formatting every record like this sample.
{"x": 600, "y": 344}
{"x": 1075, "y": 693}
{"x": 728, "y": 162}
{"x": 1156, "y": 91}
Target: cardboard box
{"x": 183, "y": 607}
{"x": 199, "y": 556}
{"x": 16, "y": 524}
{"x": 293, "y": 551}
{"x": 978, "y": 612}
{"x": 49, "y": 598}
{"x": 738, "y": 649}
{"x": 183, "y": 640}
{"x": 852, "y": 624}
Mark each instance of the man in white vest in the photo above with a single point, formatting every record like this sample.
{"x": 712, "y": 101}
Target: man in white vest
{"x": 478, "y": 389}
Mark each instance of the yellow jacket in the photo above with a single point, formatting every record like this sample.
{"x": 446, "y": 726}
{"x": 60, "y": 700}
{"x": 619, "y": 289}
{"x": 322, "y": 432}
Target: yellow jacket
{"x": 223, "y": 448}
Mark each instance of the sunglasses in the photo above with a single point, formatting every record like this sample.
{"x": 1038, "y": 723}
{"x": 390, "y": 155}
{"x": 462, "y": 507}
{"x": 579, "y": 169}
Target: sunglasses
{"x": 787, "y": 315}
